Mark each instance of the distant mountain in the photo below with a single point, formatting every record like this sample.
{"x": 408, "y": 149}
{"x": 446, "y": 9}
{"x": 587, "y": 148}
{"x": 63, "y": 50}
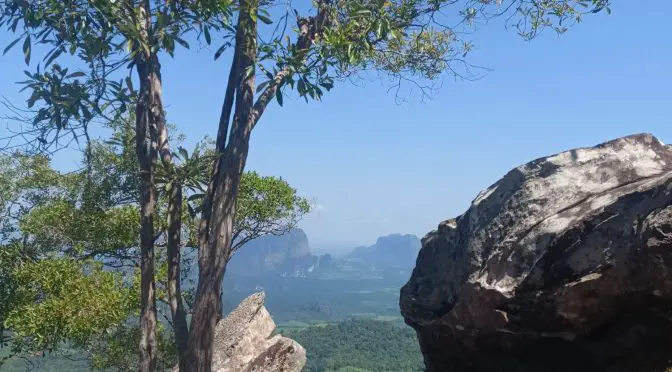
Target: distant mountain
{"x": 284, "y": 255}
{"x": 396, "y": 250}
{"x": 290, "y": 256}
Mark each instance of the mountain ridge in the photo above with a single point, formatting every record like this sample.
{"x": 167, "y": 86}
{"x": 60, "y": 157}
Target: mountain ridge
{"x": 396, "y": 250}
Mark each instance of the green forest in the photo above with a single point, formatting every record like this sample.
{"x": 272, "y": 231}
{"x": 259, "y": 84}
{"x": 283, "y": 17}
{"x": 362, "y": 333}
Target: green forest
{"x": 359, "y": 345}
{"x": 354, "y": 345}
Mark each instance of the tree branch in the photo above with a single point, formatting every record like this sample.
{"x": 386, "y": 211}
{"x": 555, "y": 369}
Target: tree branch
{"x": 220, "y": 145}
{"x": 309, "y": 29}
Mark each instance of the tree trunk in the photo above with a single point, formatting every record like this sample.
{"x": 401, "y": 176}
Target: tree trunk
{"x": 174, "y": 233}
{"x": 214, "y": 255}
{"x": 146, "y": 153}
{"x": 150, "y": 119}
{"x": 178, "y": 313}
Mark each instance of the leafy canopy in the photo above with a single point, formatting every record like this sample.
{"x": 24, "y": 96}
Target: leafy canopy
{"x": 101, "y": 40}
{"x": 68, "y": 254}
{"x": 61, "y": 299}
{"x": 307, "y": 48}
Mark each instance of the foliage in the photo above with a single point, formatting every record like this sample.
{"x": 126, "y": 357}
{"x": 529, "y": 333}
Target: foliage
{"x": 117, "y": 350}
{"x": 407, "y": 39}
{"x": 78, "y": 231}
{"x": 359, "y": 345}
{"x": 102, "y": 37}
{"x": 266, "y": 205}
{"x": 61, "y": 299}
{"x": 68, "y": 260}
{"x": 410, "y": 41}
{"x": 48, "y": 298}
{"x": 26, "y": 183}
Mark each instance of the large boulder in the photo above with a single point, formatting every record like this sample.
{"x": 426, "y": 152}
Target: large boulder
{"x": 565, "y": 264}
{"x": 243, "y": 342}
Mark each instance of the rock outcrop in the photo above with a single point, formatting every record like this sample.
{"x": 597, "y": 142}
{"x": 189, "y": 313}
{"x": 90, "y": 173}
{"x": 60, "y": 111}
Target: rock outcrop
{"x": 565, "y": 264}
{"x": 243, "y": 342}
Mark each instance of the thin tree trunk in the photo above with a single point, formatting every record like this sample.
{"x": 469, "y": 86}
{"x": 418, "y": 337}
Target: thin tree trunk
{"x": 150, "y": 119}
{"x": 214, "y": 255}
{"x": 220, "y": 145}
{"x": 178, "y": 313}
{"x": 174, "y": 232}
{"x": 146, "y": 153}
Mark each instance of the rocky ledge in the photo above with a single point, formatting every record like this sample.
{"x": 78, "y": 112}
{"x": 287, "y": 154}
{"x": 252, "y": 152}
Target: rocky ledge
{"x": 565, "y": 264}
{"x": 243, "y": 342}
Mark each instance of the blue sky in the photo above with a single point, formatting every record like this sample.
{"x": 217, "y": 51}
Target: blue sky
{"x": 376, "y": 167}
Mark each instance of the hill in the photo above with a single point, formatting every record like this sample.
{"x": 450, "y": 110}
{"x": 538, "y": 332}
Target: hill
{"x": 396, "y": 250}
{"x": 285, "y": 255}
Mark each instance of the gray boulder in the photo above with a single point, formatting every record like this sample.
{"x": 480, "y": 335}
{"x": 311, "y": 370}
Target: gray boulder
{"x": 243, "y": 342}
{"x": 565, "y": 264}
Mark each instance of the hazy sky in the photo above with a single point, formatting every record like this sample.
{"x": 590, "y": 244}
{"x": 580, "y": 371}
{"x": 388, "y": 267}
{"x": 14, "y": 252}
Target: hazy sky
{"x": 376, "y": 167}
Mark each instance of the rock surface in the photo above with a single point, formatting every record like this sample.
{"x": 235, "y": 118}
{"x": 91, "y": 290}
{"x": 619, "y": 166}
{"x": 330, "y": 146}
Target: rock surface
{"x": 243, "y": 342}
{"x": 565, "y": 264}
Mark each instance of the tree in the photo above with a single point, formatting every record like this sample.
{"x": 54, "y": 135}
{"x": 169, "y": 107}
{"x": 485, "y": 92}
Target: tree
{"x": 410, "y": 40}
{"x": 269, "y": 206}
{"x": 48, "y": 295}
{"x": 98, "y": 33}
{"x": 68, "y": 227}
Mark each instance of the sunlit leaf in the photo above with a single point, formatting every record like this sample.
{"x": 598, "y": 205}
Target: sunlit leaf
{"x": 27, "y": 49}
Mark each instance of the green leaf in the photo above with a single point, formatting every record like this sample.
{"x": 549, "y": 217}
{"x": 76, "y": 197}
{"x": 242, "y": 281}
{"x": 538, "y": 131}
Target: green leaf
{"x": 261, "y": 86}
{"x": 327, "y": 85}
{"x": 129, "y": 84}
{"x": 206, "y": 33}
{"x": 33, "y": 98}
{"x": 87, "y": 113}
{"x": 53, "y": 56}
{"x": 301, "y": 87}
{"x": 169, "y": 43}
{"x": 265, "y": 19}
{"x": 75, "y": 74}
{"x": 184, "y": 153}
{"x": 249, "y": 71}
{"x": 26, "y": 49}
{"x": 11, "y": 45}
{"x": 278, "y": 96}
{"x": 196, "y": 197}
{"x": 182, "y": 42}
{"x": 219, "y": 51}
